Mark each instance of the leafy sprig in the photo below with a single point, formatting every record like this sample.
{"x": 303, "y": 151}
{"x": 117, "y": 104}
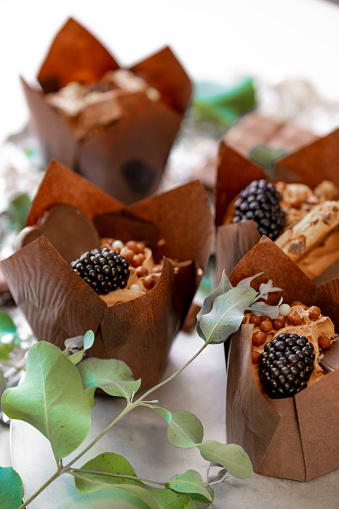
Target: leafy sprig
{"x": 57, "y": 394}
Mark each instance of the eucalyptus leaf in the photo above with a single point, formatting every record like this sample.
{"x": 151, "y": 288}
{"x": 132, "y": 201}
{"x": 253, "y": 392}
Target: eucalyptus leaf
{"x": 88, "y": 339}
{"x": 106, "y": 463}
{"x": 201, "y": 502}
{"x": 51, "y": 398}
{"x": 5, "y": 350}
{"x": 226, "y": 315}
{"x": 17, "y": 211}
{"x": 76, "y": 357}
{"x": 6, "y": 324}
{"x": 168, "y": 499}
{"x": 74, "y": 343}
{"x": 111, "y": 463}
{"x": 266, "y": 288}
{"x": 262, "y": 309}
{"x": 224, "y": 286}
{"x": 230, "y": 456}
{"x": 90, "y": 392}
{"x": 248, "y": 280}
{"x": 11, "y": 490}
{"x": 189, "y": 482}
{"x": 184, "y": 428}
{"x": 111, "y": 375}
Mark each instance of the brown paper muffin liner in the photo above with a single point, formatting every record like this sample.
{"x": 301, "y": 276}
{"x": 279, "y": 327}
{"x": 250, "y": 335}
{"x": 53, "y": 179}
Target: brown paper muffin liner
{"x": 310, "y": 165}
{"x": 126, "y": 158}
{"x": 297, "y": 437}
{"x": 58, "y": 304}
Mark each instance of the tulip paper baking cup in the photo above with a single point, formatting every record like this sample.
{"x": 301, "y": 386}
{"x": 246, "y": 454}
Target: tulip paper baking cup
{"x": 236, "y": 172}
{"x": 58, "y": 304}
{"x": 297, "y": 437}
{"x": 310, "y": 165}
{"x": 128, "y": 156}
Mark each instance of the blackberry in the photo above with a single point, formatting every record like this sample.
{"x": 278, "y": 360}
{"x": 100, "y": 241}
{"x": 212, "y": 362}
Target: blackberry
{"x": 105, "y": 270}
{"x": 285, "y": 365}
{"x": 260, "y": 201}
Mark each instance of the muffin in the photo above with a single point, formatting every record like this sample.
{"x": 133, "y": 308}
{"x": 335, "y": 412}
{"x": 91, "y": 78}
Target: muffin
{"x": 175, "y": 229}
{"x": 114, "y": 126}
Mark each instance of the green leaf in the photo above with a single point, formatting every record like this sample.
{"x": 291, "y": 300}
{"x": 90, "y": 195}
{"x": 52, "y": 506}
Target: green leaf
{"x": 106, "y": 463}
{"x": 189, "y": 482}
{"x": 51, "y": 398}
{"x": 168, "y": 499}
{"x": 18, "y": 210}
{"x": 226, "y": 315}
{"x": 11, "y": 490}
{"x": 88, "y": 339}
{"x": 111, "y": 375}
{"x": 201, "y": 502}
{"x": 5, "y": 350}
{"x": 230, "y": 456}
{"x": 266, "y": 157}
{"x": 207, "y": 305}
{"x": 184, "y": 428}
{"x": 111, "y": 463}
{"x": 6, "y": 324}
{"x": 76, "y": 357}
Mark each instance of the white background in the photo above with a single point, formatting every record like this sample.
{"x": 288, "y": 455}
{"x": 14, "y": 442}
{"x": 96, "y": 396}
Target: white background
{"x": 219, "y": 40}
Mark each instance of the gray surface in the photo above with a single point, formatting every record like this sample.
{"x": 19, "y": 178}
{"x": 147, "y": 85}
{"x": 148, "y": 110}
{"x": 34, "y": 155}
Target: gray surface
{"x": 141, "y": 438}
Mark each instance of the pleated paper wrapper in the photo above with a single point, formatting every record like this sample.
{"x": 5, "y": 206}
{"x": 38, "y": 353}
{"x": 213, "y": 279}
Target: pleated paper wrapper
{"x": 297, "y": 437}
{"x": 127, "y": 157}
{"x": 58, "y": 304}
{"x": 310, "y": 165}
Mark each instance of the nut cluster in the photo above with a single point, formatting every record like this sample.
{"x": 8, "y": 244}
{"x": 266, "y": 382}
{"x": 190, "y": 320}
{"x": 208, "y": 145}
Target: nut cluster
{"x": 289, "y": 316}
{"x": 134, "y": 252}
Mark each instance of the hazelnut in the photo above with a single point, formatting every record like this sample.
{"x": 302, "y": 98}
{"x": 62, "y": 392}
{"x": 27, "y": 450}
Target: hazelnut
{"x": 314, "y": 312}
{"x": 297, "y": 303}
{"x": 324, "y": 341}
{"x": 266, "y": 325}
{"x": 127, "y": 253}
{"x": 279, "y": 323}
{"x": 156, "y": 269}
{"x": 258, "y": 338}
{"x": 131, "y": 244}
{"x": 255, "y": 357}
{"x": 148, "y": 282}
{"x": 294, "y": 318}
{"x": 255, "y": 319}
{"x": 141, "y": 271}
{"x": 137, "y": 260}
{"x": 140, "y": 246}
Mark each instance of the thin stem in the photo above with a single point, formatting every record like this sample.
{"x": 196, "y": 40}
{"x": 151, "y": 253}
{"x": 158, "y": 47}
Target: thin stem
{"x": 126, "y": 410}
{"x": 134, "y": 478}
{"x": 173, "y": 375}
{"x": 42, "y": 488}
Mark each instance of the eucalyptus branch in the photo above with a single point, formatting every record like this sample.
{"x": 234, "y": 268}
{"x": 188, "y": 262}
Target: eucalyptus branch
{"x": 164, "y": 382}
{"x": 129, "y": 407}
{"x": 117, "y": 475}
{"x": 60, "y": 376}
